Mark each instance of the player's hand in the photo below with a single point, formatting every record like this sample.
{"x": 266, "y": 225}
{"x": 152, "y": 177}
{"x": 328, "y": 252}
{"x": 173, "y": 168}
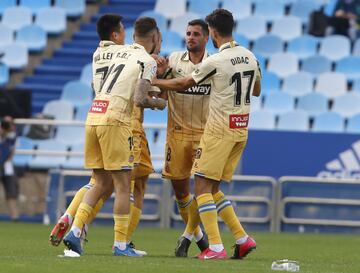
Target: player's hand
{"x": 162, "y": 67}
{"x": 161, "y": 104}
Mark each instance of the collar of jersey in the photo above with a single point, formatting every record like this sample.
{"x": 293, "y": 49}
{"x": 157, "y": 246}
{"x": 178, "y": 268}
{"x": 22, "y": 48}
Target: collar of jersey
{"x": 228, "y": 45}
{"x": 138, "y": 46}
{"x": 186, "y": 57}
{"x": 106, "y": 43}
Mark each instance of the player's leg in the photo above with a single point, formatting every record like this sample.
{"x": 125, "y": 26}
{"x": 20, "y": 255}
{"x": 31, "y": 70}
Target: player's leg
{"x": 11, "y": 186}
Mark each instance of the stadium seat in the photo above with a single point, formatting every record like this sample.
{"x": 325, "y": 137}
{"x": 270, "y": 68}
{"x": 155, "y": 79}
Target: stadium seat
{"x": 356, "y": 49}
{"x": 129, "y": 32}
{"x": 171, "y": 9}
{"x": 81, "y": 112}
{"x": 86, "y": 74}
{"x": 4, "y": 4}
{"x": 278, "y": 103}
{"x": 47, "y": 161}
{"x": 77, "y": 93}
{"x": 316, "y": 65}
{"x": 252, "y": 27}
{"x": 328, "y": 122}
{"x": 347, "y": 105}
{"x": 70, "y": 134}
{"x": 356, "y": 85}
{"x": 59, "y": 109}
{"x": 303, "y": 46}
{"x": 262, "y": 62}
{"x": 335, "y": 47}
{"x": 75, "y": 162}
{"x": 23, "y": 143}
{"x": 270, "y": 83}
{"x": 241, "y": 39}
{"x": 179, "y": 24}
{"x": 353, "y": 125}
{"x": 303, "y": 8}
{"x": 350, "y": 66}
{"x": 297, "y": 120}
{"x": 36, "y": 5}
{"x": 52, "y": 20}
{"x": 198, "y": 7}
{"x": 262, "y": 120}
{"x": 255, "y": 103}
{"x": 15, "y": 55}
{"x": 155, "y": 117}
{"x": 313, "y": 103}
{"x": 172, "y": 41}
{"x": 283, "y": 64}
{"x": 331, "y": 84}
{"x": 4, "y": 74}
{"x": 269, "y": 10}
{"x": 240, "y": 9}
{"x": 268, "y": 45}
{"x": 161, "y": 20}
{"x": 298, "y": 84}
{"x": 287, "y": 28}
{"x": 16, "y": 17}
{"x": 73, "y": 8}
{"x": 6, "y": 35}
{"x": 33, "y": 37}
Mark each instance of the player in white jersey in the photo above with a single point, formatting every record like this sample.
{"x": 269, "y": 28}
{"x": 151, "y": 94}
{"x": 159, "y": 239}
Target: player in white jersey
{"x": 235, "y": 75}
{"x": 119, "y": 72}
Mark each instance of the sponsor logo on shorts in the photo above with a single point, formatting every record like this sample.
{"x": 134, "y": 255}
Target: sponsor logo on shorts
{"x": 131, "y": 158}
{"x": 198, "y": 153}
{"x": 202, "y": 89}
{"x": 99, "y": 106}
{"x": 238, "y": 121}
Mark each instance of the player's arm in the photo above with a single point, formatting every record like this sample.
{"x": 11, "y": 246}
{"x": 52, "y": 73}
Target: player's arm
{"x": 177, "y": 84}
{"x": 142, "y": 97}
{"x": 257, "y": 86}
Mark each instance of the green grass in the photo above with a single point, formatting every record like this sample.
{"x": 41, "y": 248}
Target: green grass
{"x": 25, "y": 248}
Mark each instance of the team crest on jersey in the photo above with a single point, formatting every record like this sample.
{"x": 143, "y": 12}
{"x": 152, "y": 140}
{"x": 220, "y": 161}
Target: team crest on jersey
{"x": 99, "y": 106}
{"x": 198, "y": 153}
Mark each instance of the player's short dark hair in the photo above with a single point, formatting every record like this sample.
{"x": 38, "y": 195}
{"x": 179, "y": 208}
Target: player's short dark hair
{"x": 202, "y": 24}
{"x": 144, "y": 26}
{"x": 108, "y": 24}
{"x": 222, "y": 21}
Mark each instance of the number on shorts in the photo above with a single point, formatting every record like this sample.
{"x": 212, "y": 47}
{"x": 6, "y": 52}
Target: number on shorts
{"x": 168, "y": 154}
{"x": 131, "y": 142}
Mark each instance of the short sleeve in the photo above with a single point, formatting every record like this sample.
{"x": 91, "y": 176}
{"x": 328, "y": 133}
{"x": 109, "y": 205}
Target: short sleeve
{"x": 147, "y": 69}
{"x": 205, "y": 71}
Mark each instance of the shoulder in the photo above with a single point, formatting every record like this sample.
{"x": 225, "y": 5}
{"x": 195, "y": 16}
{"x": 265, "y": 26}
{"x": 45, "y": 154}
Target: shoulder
{"x": 176, "y": 56}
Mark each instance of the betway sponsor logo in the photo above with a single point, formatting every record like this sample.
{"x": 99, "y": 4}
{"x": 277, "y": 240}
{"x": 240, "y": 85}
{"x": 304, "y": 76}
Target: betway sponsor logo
{"x": 202, "y": 89}
{"x": 347, "y": 165}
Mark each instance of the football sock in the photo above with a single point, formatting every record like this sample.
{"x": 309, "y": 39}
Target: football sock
{"x": 82, "y": 215}
{"x": 227, "y": 213}
{"x": 216, "y": 247}
{"x": 193, "y": 218}
{"x": 242, "y": 240}
{"x": 134, "y": 219}
{"x": 198, "y": 234}
{"x": 96, "y": 210}
{"x": 121, "y": 227}
{"x": 185, "y": 207}
{"x": 74, "y": 205}
{"x": 208, "y": 215}
{"x": 132, "y": 186}
{"x": 70, "y": 218}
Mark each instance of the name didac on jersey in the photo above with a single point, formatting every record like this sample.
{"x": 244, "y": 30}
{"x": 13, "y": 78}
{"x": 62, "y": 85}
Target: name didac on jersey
{"x": 201, "y": 89}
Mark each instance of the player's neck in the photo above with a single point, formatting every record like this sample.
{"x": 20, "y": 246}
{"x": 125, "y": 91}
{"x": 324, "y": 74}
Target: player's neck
{"x": 196, "y": 57}
{"x": 146, "y": 43}
{"x": 224, "y": 40}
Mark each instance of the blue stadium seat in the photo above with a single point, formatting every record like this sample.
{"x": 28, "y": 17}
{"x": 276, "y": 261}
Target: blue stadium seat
{"x": 331, "y": 84}
{"x": 353, "y": 125}
{"x": 303, "y": 46}
{"x": 356, "y": 49}
{"x": 36, "y": 5}
{"x": 252, "y": 27}
{"x": 129, "y": 32}
{"x": 73, "y": 8}
{"x": 287, "y": 28}
{"x": 33, "y": 37}
{"x": 70, "y": 134}
{"x": 4, "y": 4}
{"x": 298, "y": 84}
{"x": 15, "y": 55}
{"x": 356, "y": 85}
{"x": 262, "y": 62}
{"x": 86, "y": 74}
{"x": 171, "y": 9}
{"x": 296, "y": 120}
{"x": 197, "y": 6}
{"x": 161, "y": 20}
{"x": 335, "y": 47}
{"x": 49, "y": 162}
{"x": 256, "y": 103}
{"x": 269, "y": 10}
{"x": 347, "y": 105}
{"x": 270, "y": 83}
{"x": 268, "y": 45}
{"x": 241, "y": 39}
{"x": 23, "y": 143}
{"x": 350, "y": 66}
{"x": 316, "y": 65}
{"x": 155, "y": 117}
{"x": 77, "y": 93}
{"x": 179, "y": 24}
{"x": 313, "y": 103}
{"x": 240, "y": 9}
{"x": 82, "y": 111}
{"x": 59, "y": 109}
{"x": 4, "y": 74}
{"x": 52, "y": 20}
{"x": 16, "y": 17}
{"x": 6, "y": 35}
{"x": 328, "y": 122}
{"x": 278, "y": 103}
{"x": 283, "y": 64}
{"x": 172, "y": 41}
{"x": 303, "y": 8}
{"x": 263, "y": 120}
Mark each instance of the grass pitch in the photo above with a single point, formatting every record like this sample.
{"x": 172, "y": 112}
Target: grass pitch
{"x": 25, "y": 248}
